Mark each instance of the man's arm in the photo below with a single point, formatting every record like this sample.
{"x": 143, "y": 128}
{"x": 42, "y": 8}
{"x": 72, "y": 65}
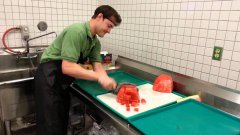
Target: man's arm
{"x": 103, "y": 79}
{"x": 97, "y": 67}
{"x": 74, "y": 70}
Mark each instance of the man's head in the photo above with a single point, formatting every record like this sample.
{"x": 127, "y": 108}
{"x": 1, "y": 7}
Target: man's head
{"x": 106, "y": 18}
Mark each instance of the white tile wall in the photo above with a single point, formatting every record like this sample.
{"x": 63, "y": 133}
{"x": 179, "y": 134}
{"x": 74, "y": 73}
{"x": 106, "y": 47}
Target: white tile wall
{"x": 179, "y": 35}
{"x": 56, "y": 13}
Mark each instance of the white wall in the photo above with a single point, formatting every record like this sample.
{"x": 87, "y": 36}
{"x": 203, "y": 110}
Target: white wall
{"x": 179, "y": 35}
{"x": 57, "y": 13}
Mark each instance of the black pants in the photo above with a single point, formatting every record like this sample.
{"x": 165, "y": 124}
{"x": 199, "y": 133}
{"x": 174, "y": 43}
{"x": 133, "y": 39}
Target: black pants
{"x": 52, "y": 99}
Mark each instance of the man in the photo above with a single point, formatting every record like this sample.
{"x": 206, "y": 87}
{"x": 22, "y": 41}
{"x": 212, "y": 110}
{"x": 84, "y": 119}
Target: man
{"x": 59, "y": 66}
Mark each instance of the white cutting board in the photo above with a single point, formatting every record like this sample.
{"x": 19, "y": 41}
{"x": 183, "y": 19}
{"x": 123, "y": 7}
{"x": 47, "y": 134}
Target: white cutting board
{"x": 153, "y": 99}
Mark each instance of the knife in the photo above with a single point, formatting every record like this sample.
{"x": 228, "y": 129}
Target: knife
{"x": 119, "y": 85}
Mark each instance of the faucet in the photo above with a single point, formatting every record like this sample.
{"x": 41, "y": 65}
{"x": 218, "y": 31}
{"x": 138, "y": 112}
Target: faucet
{"x": 27, "y": 54}
{"x": 27, "y": 51}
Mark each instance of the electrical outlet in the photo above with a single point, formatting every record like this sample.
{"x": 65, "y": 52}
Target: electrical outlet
{"x": 217, "y": 53}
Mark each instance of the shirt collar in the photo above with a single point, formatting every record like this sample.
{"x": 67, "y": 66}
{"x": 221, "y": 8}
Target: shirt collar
{"x": 88, "y": 31}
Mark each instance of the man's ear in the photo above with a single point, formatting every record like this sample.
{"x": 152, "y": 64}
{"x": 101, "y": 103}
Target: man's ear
{"x": 100, "y": 15}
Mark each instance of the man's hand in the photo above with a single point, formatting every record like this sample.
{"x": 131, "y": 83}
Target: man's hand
{"x": 107, "y": 82}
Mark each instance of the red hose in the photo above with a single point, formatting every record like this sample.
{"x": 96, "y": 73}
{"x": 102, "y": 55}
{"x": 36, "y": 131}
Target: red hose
{"x": 4, "y": 43}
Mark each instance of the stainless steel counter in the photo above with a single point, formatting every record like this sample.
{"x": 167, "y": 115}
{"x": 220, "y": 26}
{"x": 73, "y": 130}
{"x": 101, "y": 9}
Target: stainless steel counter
{"x": 95, "y": 108}
{"x": 217, "y": 96}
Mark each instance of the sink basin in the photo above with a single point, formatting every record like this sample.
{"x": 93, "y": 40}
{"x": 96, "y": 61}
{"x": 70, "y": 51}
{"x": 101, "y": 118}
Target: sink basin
{"x": 15, "y": 67}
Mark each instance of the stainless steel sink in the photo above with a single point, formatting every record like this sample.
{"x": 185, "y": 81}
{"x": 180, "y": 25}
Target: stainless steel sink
{"x": 14, "y": 67}
{"x": 16, "y": 75}
{"x": 16, "y": 86}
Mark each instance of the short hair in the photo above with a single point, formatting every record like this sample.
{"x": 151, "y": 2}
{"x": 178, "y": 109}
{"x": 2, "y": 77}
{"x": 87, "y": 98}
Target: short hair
{"x": 108, "y": 13}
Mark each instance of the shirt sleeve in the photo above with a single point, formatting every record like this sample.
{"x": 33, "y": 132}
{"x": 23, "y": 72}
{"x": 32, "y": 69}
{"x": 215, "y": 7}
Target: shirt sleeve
{"x": 70, "y": 46}
{"x": 95, "y": 53}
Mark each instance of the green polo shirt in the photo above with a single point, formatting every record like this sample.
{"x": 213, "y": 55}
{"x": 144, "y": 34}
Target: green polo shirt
{"x": 74, "y": 40}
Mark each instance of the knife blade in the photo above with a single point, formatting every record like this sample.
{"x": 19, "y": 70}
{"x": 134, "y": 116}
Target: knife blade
{"x": 119, "y": 85}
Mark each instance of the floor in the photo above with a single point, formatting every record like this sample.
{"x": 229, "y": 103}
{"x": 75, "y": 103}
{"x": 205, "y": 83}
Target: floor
{"x": 32, "y": 130}
{"x": 76, "y": 107}
{"x": 29, "y": 131}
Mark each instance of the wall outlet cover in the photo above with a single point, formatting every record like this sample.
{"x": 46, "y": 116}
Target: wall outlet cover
{"x": 217, "y": 53}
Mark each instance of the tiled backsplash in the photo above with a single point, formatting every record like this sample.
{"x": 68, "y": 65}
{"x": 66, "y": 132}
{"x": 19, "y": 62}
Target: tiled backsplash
{"x": 179, "y": 35}
{"x": 56, "y": 13}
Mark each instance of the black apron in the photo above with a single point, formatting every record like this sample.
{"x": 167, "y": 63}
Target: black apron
{"x": 52, "y": 98}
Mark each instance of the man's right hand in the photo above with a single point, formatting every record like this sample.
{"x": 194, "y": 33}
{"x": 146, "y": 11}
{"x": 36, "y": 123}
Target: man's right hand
{"x": 107, "y": 82}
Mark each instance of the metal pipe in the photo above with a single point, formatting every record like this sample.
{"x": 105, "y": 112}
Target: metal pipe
{"x": 8, "y": 127}
{"x": 28, "y": 56}
{"x": 17, "y": 81}
{"x": 36, "y": 38}
{"x": 16, "y": 70}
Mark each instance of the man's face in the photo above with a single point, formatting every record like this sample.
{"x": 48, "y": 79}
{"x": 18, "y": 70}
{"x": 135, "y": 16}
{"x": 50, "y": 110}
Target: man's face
{"x": 105, "y": 26}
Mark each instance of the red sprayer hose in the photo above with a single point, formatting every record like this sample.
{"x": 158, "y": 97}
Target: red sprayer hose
{"x": 4, "y": 43}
